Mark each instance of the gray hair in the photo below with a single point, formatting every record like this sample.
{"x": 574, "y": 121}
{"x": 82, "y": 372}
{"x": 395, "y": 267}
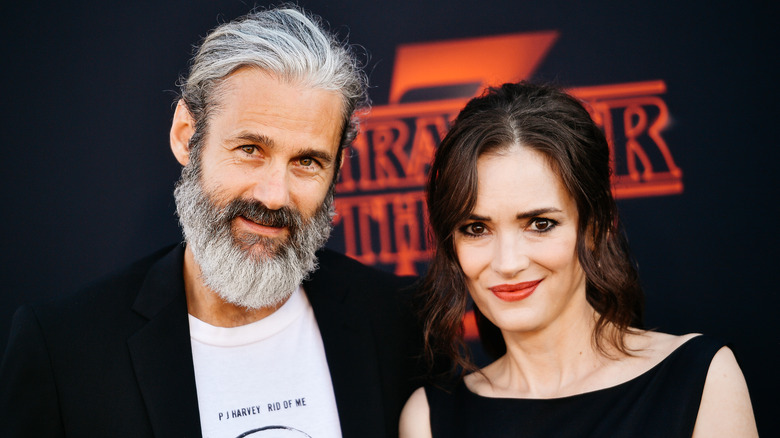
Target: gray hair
{"x": 286, "y": 42}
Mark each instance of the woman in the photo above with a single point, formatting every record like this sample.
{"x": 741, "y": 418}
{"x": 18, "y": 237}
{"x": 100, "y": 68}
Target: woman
{"x": 524, "y": 221}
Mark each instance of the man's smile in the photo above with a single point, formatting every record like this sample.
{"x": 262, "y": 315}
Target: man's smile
{"x": 259, "y": 228}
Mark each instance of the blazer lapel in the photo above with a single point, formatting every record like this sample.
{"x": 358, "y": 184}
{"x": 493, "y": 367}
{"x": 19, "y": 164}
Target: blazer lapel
{"x": 162, "y": 353}
{"x": 349, "y": 348}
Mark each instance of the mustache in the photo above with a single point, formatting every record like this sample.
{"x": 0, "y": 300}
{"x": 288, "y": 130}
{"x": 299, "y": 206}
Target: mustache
{"x": 256, "y": 211}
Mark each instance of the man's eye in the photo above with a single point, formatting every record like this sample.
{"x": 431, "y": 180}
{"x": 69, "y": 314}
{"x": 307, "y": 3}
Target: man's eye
{"x": 249, "y": 149}
{"x": 306, "y": 162}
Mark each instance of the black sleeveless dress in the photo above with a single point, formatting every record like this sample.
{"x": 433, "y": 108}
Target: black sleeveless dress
{"x": 662, "y": 402}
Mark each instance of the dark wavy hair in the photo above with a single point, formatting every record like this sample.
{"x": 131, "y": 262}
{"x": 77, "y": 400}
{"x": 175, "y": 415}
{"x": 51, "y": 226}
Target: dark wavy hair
{"x": 547, "y": 120}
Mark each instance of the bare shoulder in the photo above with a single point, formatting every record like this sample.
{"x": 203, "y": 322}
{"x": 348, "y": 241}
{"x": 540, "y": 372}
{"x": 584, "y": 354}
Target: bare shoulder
{"x": 415, "y": 417}
{"x": 725, "y": 409}
{"x": 656, "y": 346}
{"x": 480, "y": 382}
{"x": 647, "y": 349}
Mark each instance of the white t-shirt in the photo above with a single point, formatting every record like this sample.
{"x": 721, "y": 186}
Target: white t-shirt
{"x": 266, "y": 379}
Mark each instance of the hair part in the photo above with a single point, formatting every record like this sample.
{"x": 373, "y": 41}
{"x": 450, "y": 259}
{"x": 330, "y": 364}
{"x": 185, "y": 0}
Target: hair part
{"x": 549, "y": 121}
{"x": 285, "y": 42}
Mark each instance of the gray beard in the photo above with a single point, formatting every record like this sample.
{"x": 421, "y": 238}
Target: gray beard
{"x": 245, "y": 269}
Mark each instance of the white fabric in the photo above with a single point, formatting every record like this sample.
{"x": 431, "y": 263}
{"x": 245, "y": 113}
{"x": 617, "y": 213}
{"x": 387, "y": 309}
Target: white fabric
{"x": 270, "y": 377}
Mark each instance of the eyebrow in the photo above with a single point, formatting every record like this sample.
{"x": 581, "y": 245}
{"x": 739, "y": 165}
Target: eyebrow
{"x": 523, "y": 215}
{"x": 323, "y": 156}
{"x": 251, "y": 137}
{"x": 264, "y": 140}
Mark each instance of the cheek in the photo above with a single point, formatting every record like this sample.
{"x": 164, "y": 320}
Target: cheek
{"x": 559, "y": 253}
{"x": 562, "y": 258}
{"x": 308, "y": 195}
{"x": 219, "y": 173}
{"x": 473, "y": 259}
{"x": 555, "y": 257}
{"x": 229, "y": 185}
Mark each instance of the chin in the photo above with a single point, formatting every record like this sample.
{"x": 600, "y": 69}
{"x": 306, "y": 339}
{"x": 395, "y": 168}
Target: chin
{"x": 258, "y": 251}
{"x": 257, "y": 248}
{"x": 515, "y": 320}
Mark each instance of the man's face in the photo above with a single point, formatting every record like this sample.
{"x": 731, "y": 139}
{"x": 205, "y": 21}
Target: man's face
{"x": 273, "y": 143}
{"x": 256, "y": 204}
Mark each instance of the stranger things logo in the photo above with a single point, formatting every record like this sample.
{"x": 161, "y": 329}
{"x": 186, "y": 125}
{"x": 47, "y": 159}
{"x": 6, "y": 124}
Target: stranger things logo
{"x": 380, "y": 202}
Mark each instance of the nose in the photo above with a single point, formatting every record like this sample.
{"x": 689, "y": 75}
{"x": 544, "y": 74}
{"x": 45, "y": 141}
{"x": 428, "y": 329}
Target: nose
{"x": 510, "y": 255}
{"x": 272, "y": 187}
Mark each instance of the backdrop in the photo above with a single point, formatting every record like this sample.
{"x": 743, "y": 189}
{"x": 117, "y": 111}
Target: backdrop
{"x": 687, "y": 92}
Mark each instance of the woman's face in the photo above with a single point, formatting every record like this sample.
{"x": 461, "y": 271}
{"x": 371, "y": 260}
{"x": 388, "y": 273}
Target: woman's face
{"x": 518, "y": 247}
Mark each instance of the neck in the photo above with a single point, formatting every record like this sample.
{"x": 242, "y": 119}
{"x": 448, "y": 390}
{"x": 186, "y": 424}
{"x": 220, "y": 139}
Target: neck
{"x": 206, "y": 305}
{"x": 552, "y": 362}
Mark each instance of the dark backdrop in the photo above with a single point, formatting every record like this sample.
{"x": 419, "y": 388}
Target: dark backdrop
{"x": 87, "y": 173}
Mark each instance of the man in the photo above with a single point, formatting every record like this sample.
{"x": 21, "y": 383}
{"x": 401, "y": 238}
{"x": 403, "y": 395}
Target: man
{"x": 243, "y": 331}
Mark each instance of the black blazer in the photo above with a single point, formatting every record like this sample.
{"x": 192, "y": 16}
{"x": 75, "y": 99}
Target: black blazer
{"x": 116, "y": 359}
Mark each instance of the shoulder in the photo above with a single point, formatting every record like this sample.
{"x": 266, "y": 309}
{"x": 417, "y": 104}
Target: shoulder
{"x": 337, "y": 265}
{"x": 133, "y": 275}
{"x": 384, "y": 301}
{"x": 88, "y": 323}
{"x": 725, "y": 408}
{"x": 479, "y": 382}
{"x": 694, "y": 351}
{"x": 656, "y": 345}
{"x": 649, "y": 348}
{"x": 649, "y": 351}
{"x": 415, "y": 417}
{"x": 103, "y": 296}
{"x": 366, "y": 284}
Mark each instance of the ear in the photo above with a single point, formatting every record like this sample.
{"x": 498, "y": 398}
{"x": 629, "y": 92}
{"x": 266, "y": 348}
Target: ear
{"x": 344, "y": 152}
{"x": 182, "y": 128}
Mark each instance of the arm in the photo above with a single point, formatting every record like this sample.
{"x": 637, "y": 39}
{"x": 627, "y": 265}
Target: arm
{"x": 28, "y": 394}
{"x": 725, "y": 409}
{"x": 415, "y": 420}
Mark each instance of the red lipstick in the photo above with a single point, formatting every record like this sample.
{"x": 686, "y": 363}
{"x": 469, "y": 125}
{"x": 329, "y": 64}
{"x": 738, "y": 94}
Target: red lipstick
{"x": 515, "y": 292}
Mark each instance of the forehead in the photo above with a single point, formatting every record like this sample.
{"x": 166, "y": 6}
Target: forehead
{"x": 517, "y": 179}
{"x": 250, "y": 100}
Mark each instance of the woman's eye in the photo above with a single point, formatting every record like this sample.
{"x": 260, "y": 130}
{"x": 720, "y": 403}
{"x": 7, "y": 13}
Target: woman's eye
{"x": 475, "y": 229}
{"x": 542, "y": 224}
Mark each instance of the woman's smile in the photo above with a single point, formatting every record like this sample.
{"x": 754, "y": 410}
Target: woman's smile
{"x": 515, "y": 292}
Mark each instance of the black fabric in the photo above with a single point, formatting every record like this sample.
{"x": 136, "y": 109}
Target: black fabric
{"x": 115, "y": 359}
{"x": 663, "y": 402}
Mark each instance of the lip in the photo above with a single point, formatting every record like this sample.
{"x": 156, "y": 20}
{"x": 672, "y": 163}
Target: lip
{"x": 256, "y": 228}
{"x": 515, "y": 292}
